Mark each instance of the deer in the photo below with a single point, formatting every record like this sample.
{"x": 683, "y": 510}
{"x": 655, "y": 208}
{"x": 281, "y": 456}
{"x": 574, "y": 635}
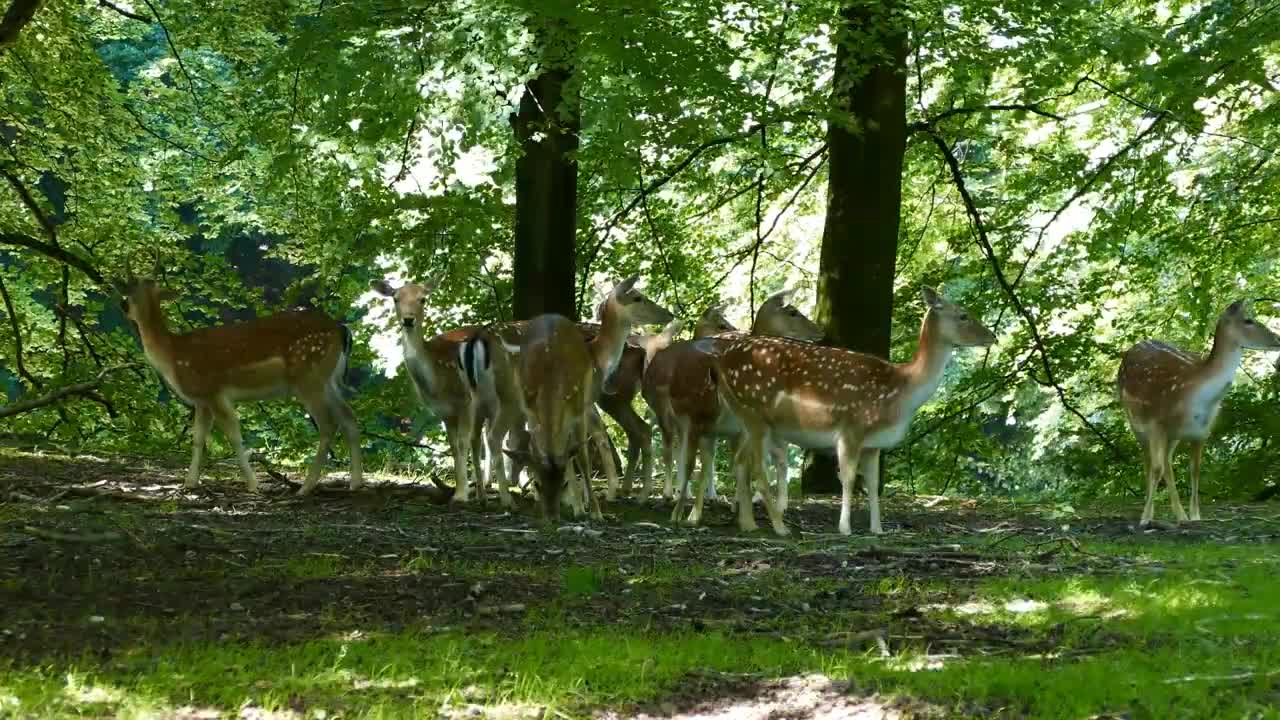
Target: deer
{"x": 821, "y": 397}
{"x": 561, "y": 374}
{"x": 301, "y": 354}
{"x": 435, "y": 367}
{"x": 691, "y": 404}
{"x": 655, "y": 382}
{"x": 1170, "y": 395}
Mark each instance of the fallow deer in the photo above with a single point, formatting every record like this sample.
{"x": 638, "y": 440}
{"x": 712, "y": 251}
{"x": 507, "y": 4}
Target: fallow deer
{"x": 690, "y": 402}
{"x": 560, "y": 375}
{"x": 1170, "y": 395}
{"x": 300, "y": 354}
{"x": 823, "y": 397}
{"x": 435, "y": 367}
{"x": 656, "y": 381}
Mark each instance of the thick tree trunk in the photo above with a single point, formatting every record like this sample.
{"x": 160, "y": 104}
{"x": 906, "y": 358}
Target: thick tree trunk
{"x": 20, "y": 13}
{"x": 864, "y": 193}
{"x": 547, "y": 185}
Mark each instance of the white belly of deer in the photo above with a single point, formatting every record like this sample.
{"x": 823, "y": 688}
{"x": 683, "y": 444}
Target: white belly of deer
{"x": 808, "y": 439}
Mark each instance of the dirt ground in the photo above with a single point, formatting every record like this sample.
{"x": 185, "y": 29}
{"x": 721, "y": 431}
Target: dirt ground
{"x": 119, "y": 541}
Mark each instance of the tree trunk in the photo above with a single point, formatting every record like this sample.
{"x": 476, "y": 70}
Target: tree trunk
{"x": 864, "y": 193}
{"x": 546, "y": 127}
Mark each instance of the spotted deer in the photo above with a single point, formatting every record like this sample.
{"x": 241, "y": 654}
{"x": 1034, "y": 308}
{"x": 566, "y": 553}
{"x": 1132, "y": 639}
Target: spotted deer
{"x": 822, "y": 397}
{"x": 435, "y": 367}
{"x": 690, "y": 402}
{"x": 300, "y": 354}
{"x": 560, "y": 374}
{"x": 1170, "y": 395}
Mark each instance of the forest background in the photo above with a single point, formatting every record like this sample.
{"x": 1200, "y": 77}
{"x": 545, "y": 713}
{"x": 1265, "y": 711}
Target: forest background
{"x": 1082, "y": 173}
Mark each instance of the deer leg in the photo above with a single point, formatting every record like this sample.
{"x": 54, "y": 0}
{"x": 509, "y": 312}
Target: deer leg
{"x": 780, "y": 469}
{"x": 1197, "y": 454}
{"x": 224, "y": 413}
{"x": 588, "y": 495}
{"x": 323, "y": 418}
{"x": 706, "y": 478}
{"x": 743, "y": 462}
{"x": 869, "y": 464}
{"x": 601, "y": 438}
{"x": 457, "y": 430}
{"x": 684, "y": 465}
{"x": 199, "y": 436}
{"x": 668, "y": 461}
{"x": 1171, "y": 483}
{"x": 639, "y": 439}
{"x": 479, "y": 468}
{"x": 849, "y": 452}
{"x": 499, "y": 427}
{"x": 346, "y": 420}
{"x": 1153, "y": 454}
{"x": 758, "y": 440}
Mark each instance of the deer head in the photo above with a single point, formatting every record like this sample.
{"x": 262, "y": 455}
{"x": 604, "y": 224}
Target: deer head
{"x": 409, "y": 299}
{"x": 633, "y": 306}
{"x": 1236, "y": 325}
{"x": 956, "y": 325}
{"x": 778, "y": 317}
{"x": 713, "y": 322}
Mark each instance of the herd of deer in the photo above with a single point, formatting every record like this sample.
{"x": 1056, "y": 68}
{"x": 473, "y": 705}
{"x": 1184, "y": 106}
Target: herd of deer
{"x": 531, "y": 388}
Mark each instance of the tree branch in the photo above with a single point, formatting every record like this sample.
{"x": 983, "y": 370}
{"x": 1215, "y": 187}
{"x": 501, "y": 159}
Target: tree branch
{"x": 127, "y": 13}
{"x": 29, "y": 200}
{"x": 17, "y": 338}
{"x": 926, "y": 125}
{"x": 56, "y": 253}
{"x": 19, "y": 14}
{"x": 985, "y": 244}
{"x": 85, "y": 388}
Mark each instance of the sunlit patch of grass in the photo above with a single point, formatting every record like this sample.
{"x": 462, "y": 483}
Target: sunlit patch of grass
{"x": 304, "y": 567}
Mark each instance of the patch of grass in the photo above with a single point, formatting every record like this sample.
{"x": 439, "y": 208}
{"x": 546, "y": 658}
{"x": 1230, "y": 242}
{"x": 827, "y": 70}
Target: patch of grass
{"x": 398, "y": 676}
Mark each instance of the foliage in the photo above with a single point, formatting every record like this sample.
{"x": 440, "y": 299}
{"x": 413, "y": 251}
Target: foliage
{"x": 278, "y": 154}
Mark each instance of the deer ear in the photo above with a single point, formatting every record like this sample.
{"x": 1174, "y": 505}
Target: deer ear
{"x": 382, "y": 287}
{"x": 626, "y": 285}
{"x": 430, "y": 284}
{"x": 781, "y": 296}
{"x": 931, "y": 297}
{"x": 1236, "y": 308}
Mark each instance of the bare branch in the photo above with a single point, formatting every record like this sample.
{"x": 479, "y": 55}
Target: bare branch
{"x": 85, "y": 389}
{"x": 985, "y": 244}
{"x": 56, "y": 253}
{"x": 127, "y": 13}
{"x": 925, "y": 125}
{"x": 19, "y": 14}
{"x": 17, "y": 338}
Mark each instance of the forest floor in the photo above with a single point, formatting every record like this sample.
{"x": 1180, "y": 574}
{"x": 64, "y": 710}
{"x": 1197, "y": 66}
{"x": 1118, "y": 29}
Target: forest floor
{"x": 123, "y": 596}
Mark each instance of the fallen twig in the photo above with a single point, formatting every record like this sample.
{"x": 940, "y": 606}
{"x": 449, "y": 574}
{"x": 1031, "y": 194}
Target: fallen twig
{"x": 69, "y": 537}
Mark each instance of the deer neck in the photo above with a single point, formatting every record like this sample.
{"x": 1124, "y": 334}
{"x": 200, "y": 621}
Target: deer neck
{"x": 922, "y": 375}
{"x": 607, "y": 346}
{"x": 157, "y": 340}
{"x": 1213, "y": 376}
{"x": 416, "y": 359}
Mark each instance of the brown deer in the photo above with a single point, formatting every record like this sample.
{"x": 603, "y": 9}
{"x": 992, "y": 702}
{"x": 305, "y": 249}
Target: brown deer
{"x": 1170, "y": 395}
{"x": 435, "y": 367}
{"x": 300, "y": 354}
{"x": 655, "y": 384}
{"x": 823, "y": 397}
{"x": 689, "y": 400}
{"x": 560, "y": 375}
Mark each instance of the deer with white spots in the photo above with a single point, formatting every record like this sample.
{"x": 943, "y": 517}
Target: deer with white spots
{"x": 300, "y": 354}
{"x": 823, "y": 397}
{"x": 560, "y": 374}
{"x": 435, "y": 367}
{"x": 680, "y": 388}
{"x": 1170, "y": 395}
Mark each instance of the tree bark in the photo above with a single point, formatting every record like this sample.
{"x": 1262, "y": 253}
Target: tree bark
{"x": 866, "y": 143}
{"x": 15, "y": 18}
{"x": 546, "y": 128}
